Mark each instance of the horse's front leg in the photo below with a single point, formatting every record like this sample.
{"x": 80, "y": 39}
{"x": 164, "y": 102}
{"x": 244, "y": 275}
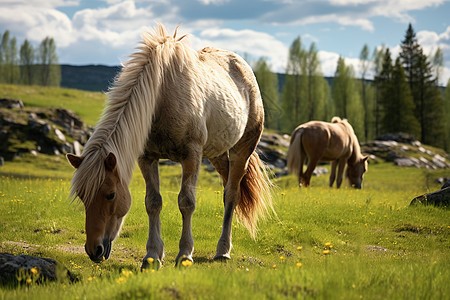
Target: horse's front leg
{"x": 153, "y": 204}
{"x": 186, "y": 204}
{"x": 333, "y": 172}
{"x": 341, "y": 167}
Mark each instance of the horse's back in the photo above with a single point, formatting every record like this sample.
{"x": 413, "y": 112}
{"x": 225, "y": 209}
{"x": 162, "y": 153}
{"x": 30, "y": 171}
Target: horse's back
{"x": 329, "y": 140}
{"x": 208, "y": 105}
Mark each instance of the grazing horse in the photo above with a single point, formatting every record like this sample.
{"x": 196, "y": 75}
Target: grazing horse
{"x": 172, "y": 102}
{"x": 324, "y": 141}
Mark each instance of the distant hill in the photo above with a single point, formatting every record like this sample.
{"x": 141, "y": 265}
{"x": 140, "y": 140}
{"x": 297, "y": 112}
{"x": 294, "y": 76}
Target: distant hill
{"x": 98, "y": 77}
{"x": 89, "y": 78}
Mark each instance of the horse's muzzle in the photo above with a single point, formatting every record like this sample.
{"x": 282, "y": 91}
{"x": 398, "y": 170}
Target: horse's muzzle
{"x": 102, "y": 251}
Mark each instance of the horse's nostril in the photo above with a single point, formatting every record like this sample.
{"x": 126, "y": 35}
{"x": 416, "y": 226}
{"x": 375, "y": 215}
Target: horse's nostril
{"x": 99, "y": 251}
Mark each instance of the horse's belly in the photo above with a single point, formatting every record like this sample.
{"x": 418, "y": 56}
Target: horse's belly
{"x": 223, "y": 133}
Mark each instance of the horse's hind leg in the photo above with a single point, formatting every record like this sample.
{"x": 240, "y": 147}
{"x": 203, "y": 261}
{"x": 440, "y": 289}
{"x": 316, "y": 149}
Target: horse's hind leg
{"x": 231, "y": 197}
{"x": 186, "y": 203}
{"x": 153, "y": 204}
{"x": 312, "y": 163}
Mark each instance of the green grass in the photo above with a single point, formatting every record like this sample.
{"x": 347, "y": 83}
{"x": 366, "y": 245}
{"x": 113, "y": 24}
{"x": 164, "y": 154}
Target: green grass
{"x": 37, "y": 219}
{"x": 88, "y": 105}
{"x": 380, "y": 247}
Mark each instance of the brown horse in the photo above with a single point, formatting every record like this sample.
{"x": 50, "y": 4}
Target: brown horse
{"x": 170, "y": 101}
{"x": 323, "y": 141}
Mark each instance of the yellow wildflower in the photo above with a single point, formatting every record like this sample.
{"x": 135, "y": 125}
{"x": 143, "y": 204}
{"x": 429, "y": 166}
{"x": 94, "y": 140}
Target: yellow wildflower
{"x": 282, "y": 257}
{"x": 34, "y": 270}
{"x": 328, "y": 245}
{"x": 299, "y": 248}
{"x": 274, "y": 266}
{"x": 299, "y": 264}
{"x": 326, "y": 252}
{"x": 186, "y": 263}
{"x": 120, "y": 280}
{"x": 150, "y": 260}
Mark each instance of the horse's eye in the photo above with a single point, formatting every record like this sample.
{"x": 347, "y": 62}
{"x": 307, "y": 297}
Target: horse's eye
{"x": 111, "y": 196}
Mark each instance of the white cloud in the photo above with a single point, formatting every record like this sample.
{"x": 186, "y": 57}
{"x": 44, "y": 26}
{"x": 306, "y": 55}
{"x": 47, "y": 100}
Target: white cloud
{"x": 245, "y": 42}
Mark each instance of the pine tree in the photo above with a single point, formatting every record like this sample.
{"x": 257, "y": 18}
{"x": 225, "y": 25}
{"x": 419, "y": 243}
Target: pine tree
{"x": 364, "y": 59}
{"x": 378, "y": 59}
{"x": 447, "y": 116}
{"x": 268, "y": 86}
{"x": 398, "y": 105}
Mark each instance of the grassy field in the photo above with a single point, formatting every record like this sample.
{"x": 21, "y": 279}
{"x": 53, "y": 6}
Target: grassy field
{"x": 324, "y": 244}
{"x": 88, "y": 105}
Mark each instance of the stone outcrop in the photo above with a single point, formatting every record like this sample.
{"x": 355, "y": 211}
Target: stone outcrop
{"x": 405, "y": 151}
{"x": 39, "y": 130}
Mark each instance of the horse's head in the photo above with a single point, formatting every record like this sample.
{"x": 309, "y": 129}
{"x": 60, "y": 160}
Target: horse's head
{"x": 355, "y": 172}
{"x": 105, "y": 212}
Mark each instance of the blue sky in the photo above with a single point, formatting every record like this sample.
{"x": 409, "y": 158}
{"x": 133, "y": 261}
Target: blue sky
{"x": 106, "y": 31}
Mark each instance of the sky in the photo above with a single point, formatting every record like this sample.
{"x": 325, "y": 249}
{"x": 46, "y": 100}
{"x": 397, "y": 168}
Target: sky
{"x": 107, "y": 31}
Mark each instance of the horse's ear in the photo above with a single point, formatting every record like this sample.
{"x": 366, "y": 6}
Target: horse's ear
{"x": 110, "y": 162}
{"x": 74, "y": 160}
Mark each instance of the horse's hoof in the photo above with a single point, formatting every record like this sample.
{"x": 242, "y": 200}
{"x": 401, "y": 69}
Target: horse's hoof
{"x": 151, "y": 264}
{"x": 184, "y": 261}
{"x": 222, "y": 257}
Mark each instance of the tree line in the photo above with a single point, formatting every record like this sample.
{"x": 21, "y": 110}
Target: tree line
{"x": 29, "y": 65}
{"x": 403, "y": 96}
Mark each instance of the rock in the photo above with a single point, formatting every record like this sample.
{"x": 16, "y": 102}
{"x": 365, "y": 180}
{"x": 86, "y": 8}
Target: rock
{"x": 77, "y": 148}
{"x": 11, "y": 103}
{"x": 60, "y": 135}
{"x": 399, "y": 137}
{"x": 438, "y": 198}
{"x": 15, "y": 268}
{"x": 407, "y": 162}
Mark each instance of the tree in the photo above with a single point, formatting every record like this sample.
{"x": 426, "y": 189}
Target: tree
{"x": 409, "y": 55}
{"x": 48, "y": 59}
{"x": 398, "y": 103}
{"x": 447, "y": 116}
{"x": 438, "y": 64}
{"x": 364, "y": 62}
{"x": 316, "y": 87}
{"x": 378, "y": 59}
{"x": 346, "y": 98}
{"x": 428, "y": 101}
{"x": 26, "y": 62}
{"x": 9, "y": 72}
{"x": 293, "y": 92}
{"x": 268, "y": 86}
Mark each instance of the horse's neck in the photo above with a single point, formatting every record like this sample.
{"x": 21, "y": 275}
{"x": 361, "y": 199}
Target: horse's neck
{"x": 356, "y": 151}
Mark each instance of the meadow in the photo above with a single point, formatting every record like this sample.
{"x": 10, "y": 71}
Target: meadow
{"x": 324, "y": 243}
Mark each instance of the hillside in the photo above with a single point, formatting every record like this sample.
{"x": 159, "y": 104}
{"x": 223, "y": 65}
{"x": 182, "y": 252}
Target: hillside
{"x": 89, "y": 78}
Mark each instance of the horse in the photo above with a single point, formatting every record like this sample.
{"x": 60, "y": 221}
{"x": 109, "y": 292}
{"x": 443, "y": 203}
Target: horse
{"x": 172, "y": 102}
{"x": 324, "y": 141}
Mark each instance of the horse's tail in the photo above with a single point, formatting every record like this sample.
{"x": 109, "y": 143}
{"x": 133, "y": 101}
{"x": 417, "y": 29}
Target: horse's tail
{"x": 256, "y": 199}
{"x": 295, "y": 152}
